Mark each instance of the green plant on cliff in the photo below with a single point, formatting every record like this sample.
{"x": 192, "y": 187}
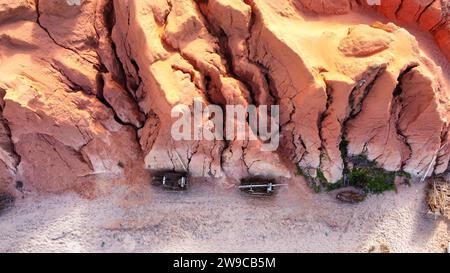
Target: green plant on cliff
{"x": 404, "y": 174}
{"x": 312, "y": 183}
{"x": 364, "y": 175}
{"x": 334, "y": 186}
{"x": 372, "y": 180}
{"x": 322, "y": 179}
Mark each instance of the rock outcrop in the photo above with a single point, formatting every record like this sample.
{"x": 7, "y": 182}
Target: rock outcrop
{"x": 87, "y": 88}
{"x": 61, "y": 134}
{"x": 428, "y": 15}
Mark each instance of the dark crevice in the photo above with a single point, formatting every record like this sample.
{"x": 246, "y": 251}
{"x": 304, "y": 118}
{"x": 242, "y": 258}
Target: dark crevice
{"x": 79, "y": 153}
{"x": 12, "y": 148}
{"x": 419, "y": 16}
{"x": 211, "y": 94}
{"x": 122, "y": 75}
{"x": 445, "y": 6}
{"x": 444, "y": 144}
{"x": 400, "y": 6}
{"x": 137, "y": 69}
{"x": 353, "y": 2}
{"x": 397, "y": 102}
{"x": 212, "y": 91}
{"x": 244, "y": 149}
{"x": 355, "y": 102}
{"x": 265, "y": 71}
{"x": 212, "y": 85}
{"x": 44, "y": 138}
{"x": 296, "y": 159}
{"x": 227, "y": 54}
{"x": 109, "y": 20}
{"x": 224, "y": 50}
{"x": 207, "y": 81}
{"x": 191, "y": 154}
{"x": 101, "y": 98}
{"x": 271, "y": 87}
{"x": 74, "y": 87}
{"x": 322, "y": 117}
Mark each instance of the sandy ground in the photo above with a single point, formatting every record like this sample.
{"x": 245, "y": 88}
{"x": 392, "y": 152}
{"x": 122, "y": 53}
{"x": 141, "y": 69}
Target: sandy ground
{"x": 210, "y": 218}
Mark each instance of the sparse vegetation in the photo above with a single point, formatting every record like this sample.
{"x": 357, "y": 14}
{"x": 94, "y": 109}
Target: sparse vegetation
{"x": 334, "y": 186}
{"x": 404, "y": 174}
{"x": 317, "y": 188}
{"x": 322, "y": 179}
{"x": 372, "y": 180}
{"x": 300, "y": 172}
{"x": 362, "y": 161}
{"x": 312, "y": 183}
{"x": 363, "y": 174}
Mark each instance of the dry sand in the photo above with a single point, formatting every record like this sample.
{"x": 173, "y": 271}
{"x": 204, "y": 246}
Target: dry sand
{"x": 210, "y": 218}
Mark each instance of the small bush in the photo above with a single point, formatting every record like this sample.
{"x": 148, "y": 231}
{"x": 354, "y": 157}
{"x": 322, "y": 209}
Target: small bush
{"x": 372, "y": 180}
{"x": 364, "y": 175}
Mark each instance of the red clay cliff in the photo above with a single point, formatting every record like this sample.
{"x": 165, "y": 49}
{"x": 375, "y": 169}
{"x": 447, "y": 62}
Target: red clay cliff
{"x": 87, "y": 87}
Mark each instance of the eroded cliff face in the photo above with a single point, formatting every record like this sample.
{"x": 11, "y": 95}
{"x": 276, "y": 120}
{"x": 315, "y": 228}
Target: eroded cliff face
{"x": 87, "y": 87}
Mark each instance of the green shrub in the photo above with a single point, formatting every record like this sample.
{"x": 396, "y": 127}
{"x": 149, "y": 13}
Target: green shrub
{"x": 334, "y": 186}
{"x": 321, "y": 177}
{"x": 372, "y": 180}
{"x": 404, "y": 174}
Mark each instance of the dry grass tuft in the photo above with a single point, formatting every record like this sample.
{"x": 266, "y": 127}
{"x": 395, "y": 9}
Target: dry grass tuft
{"x": 439, "y": 196}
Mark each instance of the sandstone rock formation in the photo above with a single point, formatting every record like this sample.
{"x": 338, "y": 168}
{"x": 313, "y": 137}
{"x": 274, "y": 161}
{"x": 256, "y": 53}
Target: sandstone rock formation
{"x": 428, "y": 15}
{"x": 87, "y": 87}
